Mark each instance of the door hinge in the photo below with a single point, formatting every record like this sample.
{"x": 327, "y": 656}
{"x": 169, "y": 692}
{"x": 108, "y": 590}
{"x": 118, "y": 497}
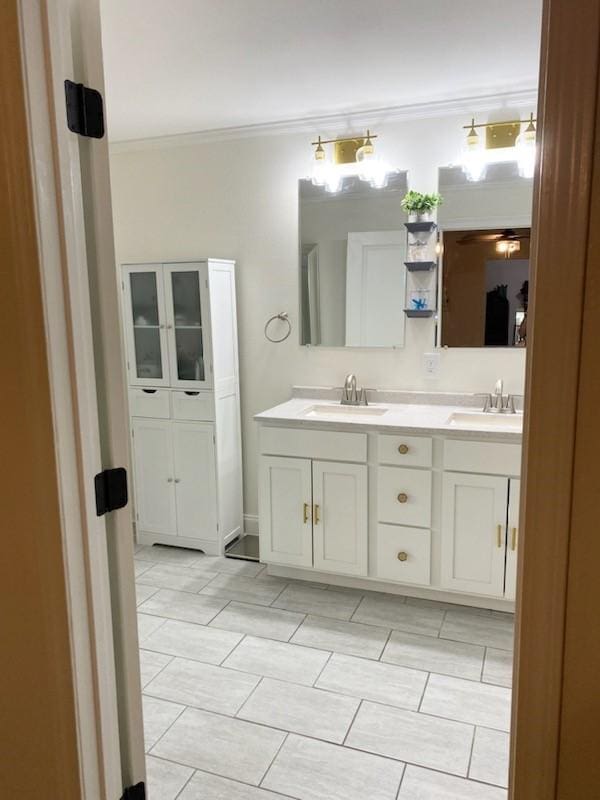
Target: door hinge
{"x": 137, "y": 792}
{"x": 111, "y": 490}
{"x": 85, "y": 110}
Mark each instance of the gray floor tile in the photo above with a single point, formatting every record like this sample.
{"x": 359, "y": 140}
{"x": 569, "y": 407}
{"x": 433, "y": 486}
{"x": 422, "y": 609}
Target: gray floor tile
{"x": 232, "y": 748}
{"x": 498, "y": 667}
{"x": 385, "y": 610}
{"x": 421, "y": 784}
{"x": 434, "y": 655}
{"x": 204, "y": 786}
{"x": 325, "y": 603}
{"x": 183, "y": 606}
{"x": 272, "y": 623}
{"x": 312, "y": 770}
{"x": 409, "y": 736}
{"x": 196, "y": 642}
{"x": 143, "y": 592}
{"x": 164, "y": 780}
{"x": 300, "y": 709}
{"x": 162, "y": 554}
{"x": 159, "y": 715}
{"x": 280, "y": 660}
{"x": 141, "y": 566}
{"x": 203, "y": 686}
{"x": 247, "y": 590}
{"x": 489, "y": 631}
{"x": 467, "y": 701}
{"x": 371, "y": 680}
{"x": 147, "y": 625}
{"x": 442, "y": 606}
{"x": 489, "y": 762}
{"x": 182, "y": 579}
{"x": 350, "y": 638}
{"x": 151, "y": 664}
{"x": 231, "y": 566}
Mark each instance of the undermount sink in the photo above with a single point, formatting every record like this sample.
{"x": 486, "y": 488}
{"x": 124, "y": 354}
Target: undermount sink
{"x": 468, "y": 419}
{"x": 344, "y": 411}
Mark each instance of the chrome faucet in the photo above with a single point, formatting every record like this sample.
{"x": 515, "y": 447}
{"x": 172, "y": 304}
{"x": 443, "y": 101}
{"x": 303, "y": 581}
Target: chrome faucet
{"x": 351, "y": 396}
{"x": 496, "y": 403}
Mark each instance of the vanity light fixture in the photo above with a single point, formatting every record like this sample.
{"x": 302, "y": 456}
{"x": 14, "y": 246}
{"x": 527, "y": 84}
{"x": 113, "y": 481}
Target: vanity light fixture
{"x": 508, "y": 246}
{"x": 351, "y": 156}
{"x": 503, "y": 142}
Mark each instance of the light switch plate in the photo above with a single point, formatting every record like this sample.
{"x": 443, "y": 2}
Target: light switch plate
{"x": 431, "y": 364}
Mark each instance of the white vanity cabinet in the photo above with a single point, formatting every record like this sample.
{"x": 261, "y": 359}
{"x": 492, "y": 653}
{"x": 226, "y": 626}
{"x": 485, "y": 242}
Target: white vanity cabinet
{"x": 180, "y": 328}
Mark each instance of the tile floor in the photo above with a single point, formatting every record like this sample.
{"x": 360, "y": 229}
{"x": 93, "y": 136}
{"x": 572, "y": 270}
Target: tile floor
{"x": 259, "y": 688}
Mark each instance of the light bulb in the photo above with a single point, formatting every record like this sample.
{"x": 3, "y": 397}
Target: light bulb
{"x": 526, "y": 150}
{"x": 473, "y": 160}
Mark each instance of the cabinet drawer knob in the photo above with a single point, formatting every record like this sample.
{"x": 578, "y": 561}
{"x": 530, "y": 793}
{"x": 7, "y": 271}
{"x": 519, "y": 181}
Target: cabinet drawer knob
{"x": 169, "y": 480}
{"x": 403, "y": 449}
{"x": 402, "y": 497}
{"x": 402, "y": 556}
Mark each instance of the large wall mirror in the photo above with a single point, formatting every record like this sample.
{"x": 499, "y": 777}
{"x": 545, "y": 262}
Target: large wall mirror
{"x": 485, "y": 228}
{"x": 352, "y": 273}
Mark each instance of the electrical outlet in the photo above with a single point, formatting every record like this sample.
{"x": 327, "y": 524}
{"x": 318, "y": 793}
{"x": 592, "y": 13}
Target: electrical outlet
{"x": 431, "y": 365}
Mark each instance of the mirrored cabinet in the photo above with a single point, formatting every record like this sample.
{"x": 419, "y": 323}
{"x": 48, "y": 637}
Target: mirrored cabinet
{"x": 180, "y": 327}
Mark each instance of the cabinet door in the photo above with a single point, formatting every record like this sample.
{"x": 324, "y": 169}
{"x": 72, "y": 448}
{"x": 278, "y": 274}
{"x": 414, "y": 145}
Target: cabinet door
{"x": 145, "y": 325}
{"x": 473, "y": 533}
{"x": 510, "y": 583}
{"x": 285, "y": 510}
{"x": 340, "y": 517}
{"x": 154, "y": 476}
{"x": 195, "y": 480}
{"x": 188, "y": 325}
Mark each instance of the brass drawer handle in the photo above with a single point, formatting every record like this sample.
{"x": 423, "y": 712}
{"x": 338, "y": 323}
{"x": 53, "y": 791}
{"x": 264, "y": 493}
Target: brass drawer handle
{"x": 513, "y": 543}
{"x": 402, "y": 556}
{"x": 403, "y": 449}
{"x": 499, "y": 535}
{"x": 306, "y": 513}
{"x": 402, "y": 497}
{"x": 317, "y": 518}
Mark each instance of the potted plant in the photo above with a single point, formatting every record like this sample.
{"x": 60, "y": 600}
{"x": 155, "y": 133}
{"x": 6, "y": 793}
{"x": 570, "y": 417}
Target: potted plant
{"x": 419, "y": 206}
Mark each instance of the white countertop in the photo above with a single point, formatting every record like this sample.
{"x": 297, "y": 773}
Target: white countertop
{"x": 398, "y": 417}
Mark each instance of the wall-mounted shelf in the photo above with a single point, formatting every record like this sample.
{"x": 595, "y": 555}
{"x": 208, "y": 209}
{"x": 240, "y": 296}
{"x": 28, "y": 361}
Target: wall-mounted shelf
{"x": 420, "y": 266}
{"x": 420, "y": 312}
{"x": 420, "y": 227}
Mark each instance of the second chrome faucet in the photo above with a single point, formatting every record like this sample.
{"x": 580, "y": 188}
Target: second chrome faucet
{"x": 351, "y": 395}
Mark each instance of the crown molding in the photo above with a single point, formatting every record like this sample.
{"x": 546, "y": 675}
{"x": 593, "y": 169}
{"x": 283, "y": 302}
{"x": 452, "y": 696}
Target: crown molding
{"x": 341, "y": 122}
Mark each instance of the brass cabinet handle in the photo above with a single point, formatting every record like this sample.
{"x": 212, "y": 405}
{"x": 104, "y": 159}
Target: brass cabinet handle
{"x": 499, "y": 535}
{"x": 169, "y": 480}
{"x": 513, "y": 543}
{"x": 316, "y": 517}
{"x": 402, "y": 556}
{"x": 306, "y": 512}
{"x": 402, "y": 497}
{"x": 403, "y": 449}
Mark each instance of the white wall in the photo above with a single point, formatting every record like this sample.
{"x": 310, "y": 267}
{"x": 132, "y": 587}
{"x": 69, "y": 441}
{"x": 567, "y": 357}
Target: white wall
{"x": 239, "y": 199}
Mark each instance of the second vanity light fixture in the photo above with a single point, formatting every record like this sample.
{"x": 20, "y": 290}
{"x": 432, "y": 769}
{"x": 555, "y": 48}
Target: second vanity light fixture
{"x": 351, "y": 156}
{"x": 504, "y": 141}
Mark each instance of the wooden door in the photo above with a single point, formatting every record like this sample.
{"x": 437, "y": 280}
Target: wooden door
{"x": 473, "y": 533}
{"x": 285, "y": 511}
{"x": 154, "y": 476}
{"x": 340, "y": 517}
{"x": 195, "y": 480}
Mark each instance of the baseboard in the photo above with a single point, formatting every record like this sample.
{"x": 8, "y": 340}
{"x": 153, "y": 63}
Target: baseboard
{"x": 251, "y": 523}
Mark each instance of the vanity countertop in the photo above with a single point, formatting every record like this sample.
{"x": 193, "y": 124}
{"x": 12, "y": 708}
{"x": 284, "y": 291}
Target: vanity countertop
{"x": 457, "y": 421}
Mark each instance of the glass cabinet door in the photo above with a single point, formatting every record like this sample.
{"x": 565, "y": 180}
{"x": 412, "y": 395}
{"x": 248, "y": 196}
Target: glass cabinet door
{"x": 147, "y": 362}
{"x": 188, "y": 325}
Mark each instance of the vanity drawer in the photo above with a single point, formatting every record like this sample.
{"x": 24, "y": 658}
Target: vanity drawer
{"x": 404, "y": 496}
{"x": 327, "y": 445}
{"x": 403, "y": 554}
{"x": 406, "y": 451}
{"x": 193, "y": 405}
{"x": 489, "y": 458}
{"x": 149, "y": 403}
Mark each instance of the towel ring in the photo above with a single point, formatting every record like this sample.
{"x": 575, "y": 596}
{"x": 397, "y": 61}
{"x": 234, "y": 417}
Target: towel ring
{"x": 284, "y": 318}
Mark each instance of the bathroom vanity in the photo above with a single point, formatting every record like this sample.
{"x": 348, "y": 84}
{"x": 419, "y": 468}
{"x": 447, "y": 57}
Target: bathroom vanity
{"x": 413, "y": 494}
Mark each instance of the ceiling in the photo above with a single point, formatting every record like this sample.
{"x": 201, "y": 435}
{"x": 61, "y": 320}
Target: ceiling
{"x": 183, "y": 66}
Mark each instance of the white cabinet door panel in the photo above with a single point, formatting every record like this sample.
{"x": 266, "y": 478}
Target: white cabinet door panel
{"x": 145, "y": 325}
{"x": 154, "y": 476}
{"x": 195, "y": 480}
{"x": 340, "y": 517}
{"x": 285, "y": 509}
{"x": 510, "y": 585}
{"x": 473, "y": 533}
